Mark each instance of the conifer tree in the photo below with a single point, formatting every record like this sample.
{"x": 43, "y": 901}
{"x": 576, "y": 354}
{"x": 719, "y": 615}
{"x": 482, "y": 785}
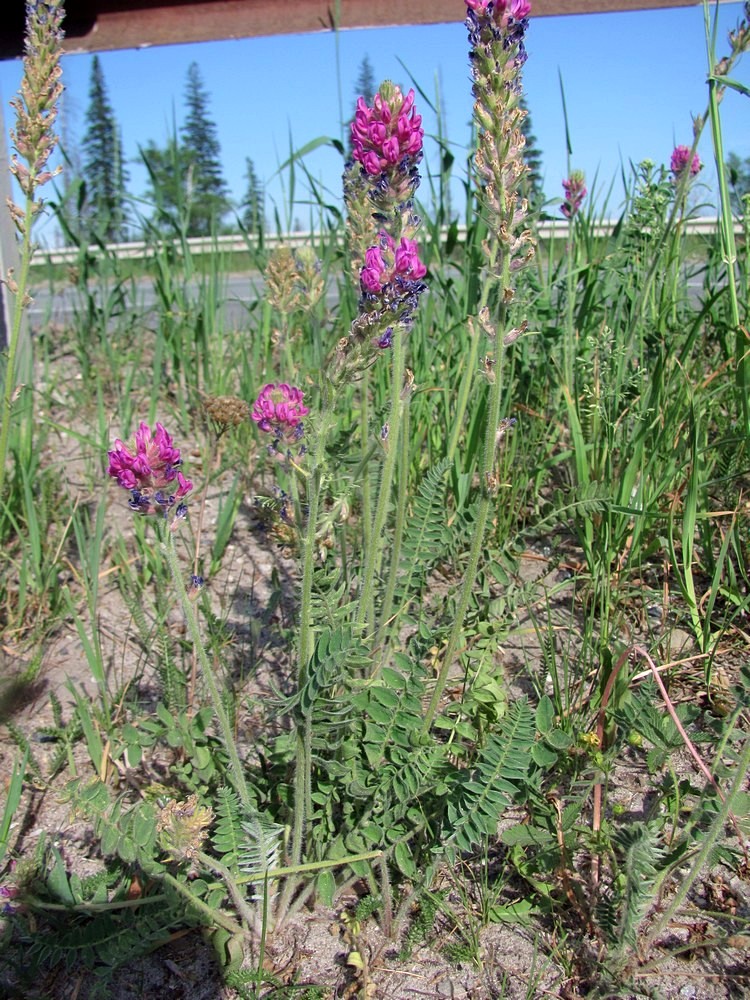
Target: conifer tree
{"x": 103, "y": 165}
{"x": 167, "y": 179}
{"x": 533, "y": 159}
{"x": 253, "y": 204}
{"x": 206, "y": 189}
{"x": 366, "y": 87}
{"x": 738, "y": 172}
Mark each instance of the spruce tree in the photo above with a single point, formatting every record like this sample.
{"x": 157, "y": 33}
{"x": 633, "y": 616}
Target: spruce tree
{"x": 738, "y": 173}
{"x": 104, "y": 164}
{"x": 206, "y": 189}
{"x": 533, "y": 159}
{"x": 253, "y": 204}
{"x": 167, "y": 173}
{"x": 366, "y": 87}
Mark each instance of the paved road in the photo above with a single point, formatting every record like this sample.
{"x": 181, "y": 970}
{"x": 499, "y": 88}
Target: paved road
{"x": 240, "y": 291}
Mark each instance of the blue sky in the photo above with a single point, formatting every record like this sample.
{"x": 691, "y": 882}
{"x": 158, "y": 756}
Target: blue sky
{"x": 632, "y": 83}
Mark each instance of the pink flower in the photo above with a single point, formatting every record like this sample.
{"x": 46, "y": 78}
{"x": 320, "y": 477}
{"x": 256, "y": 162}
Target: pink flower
{"x": 520, "y": 9}
{"x": 391, "y": 285}
{"x": 374, "y": 269}
{"x": 279, "y": 410}
{"x": 575, "y": 191}
{"x": 390, "y": 268}
{"x": 150, "y": 471}
{"x": 517, "y": 9}
{"x": 681, "y": 161}
{"x": 386, "y": 133}
{"x": 407, "y": 260}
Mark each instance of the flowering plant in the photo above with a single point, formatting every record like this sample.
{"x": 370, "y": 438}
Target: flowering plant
{"x": 681, "y": 161}
{"x": 386, "y": 133}
{"x": 575, "y": 191}
{"x": 150, "y": 472}
{"x": 279, "y": 410}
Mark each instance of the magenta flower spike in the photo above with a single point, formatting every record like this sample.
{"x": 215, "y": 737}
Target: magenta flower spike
{"x": 387, "y": 133}
{"x": 391, "y": 285}
{"x": 575, "y": 191}
{"x": 279, "y": 410}
{"x": 682, "y": 161}
{"x": 150, "y": 472}
{"x": 379, "y": 186}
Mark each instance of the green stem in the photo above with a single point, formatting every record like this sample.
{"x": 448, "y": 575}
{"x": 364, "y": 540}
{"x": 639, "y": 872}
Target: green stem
{"x": 212, "y": 915}
{"x": 366, "y": 450}
{"x": 475, "y": 551}
{"x": 227, "y": 735}
{"x": 245, "y": 911}
{"x": 463, "y": 393}
{"x": 303, "y": 772}
{"x": 570, "y": 292}
{"x": 729, "y": 256}
{"x": 11, "y": 375}
{"x": 314, "y": 866}
{"x": 377, "y": 538}
{"x": 701, "y": 859}
{"x": 398, "y": 532}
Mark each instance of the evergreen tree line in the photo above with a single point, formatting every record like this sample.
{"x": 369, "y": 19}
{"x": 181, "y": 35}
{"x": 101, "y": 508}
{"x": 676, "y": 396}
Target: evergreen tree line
{"x": 186, "y": 185}
{"x": 185, "y": 181}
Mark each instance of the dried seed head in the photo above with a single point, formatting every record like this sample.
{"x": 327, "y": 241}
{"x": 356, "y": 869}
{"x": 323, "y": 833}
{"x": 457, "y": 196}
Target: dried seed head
{"x": 281, "y": 280}
{"x": 36, "y": 103}
{"x": 182, "y": 828}
{"x": 229, "y": 411}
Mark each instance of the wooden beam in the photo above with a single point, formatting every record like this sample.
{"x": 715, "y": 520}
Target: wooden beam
{"x": 98, "y": 25}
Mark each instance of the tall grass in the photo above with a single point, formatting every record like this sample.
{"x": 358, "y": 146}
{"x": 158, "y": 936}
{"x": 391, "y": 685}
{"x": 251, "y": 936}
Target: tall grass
{"x": 583, "y": 414}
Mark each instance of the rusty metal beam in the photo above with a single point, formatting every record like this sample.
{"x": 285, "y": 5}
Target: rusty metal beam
{"x": 98, "y": 25}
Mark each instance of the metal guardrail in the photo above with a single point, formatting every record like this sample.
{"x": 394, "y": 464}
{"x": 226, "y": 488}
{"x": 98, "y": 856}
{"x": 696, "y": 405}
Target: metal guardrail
{"x": 232, "y": 243}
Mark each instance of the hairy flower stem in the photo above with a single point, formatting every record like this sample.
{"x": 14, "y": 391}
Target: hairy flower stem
{"x": 498, "y": 54}
{"x": 303, "y": 772}
{"x": 246, "y": 912}
{"x": 569, "y": 345}
{"x": 483, "y": 510}
{"x": 398, "y": 529}
{"x": 729, "y": 256}
{"x": 464, "y": 391}
{"x": 225, "y": 727}
{"x": 377, "y": 537}
{"x": 211, "y": 913}
{"x": 366, "y": 450}
{"x": 34, "y": 140}
{"x": 13, "y": 372}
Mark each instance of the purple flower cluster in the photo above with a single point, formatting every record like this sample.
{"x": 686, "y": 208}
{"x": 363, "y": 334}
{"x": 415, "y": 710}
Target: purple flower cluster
{"x": 382, "y": 176}
{"x": 575, "y": 191}
{"x": 150, "y": 472}
{"x": 387, "y": 133}
{"x": 682, "y": 161}
{"x": 9, "y": 899}
{"x": 379, "y": 185}
{"x": 403, "y": 262}
{"x": 391, "y": 283}
{"x": 279, "y": 410}
{"x": 491, "y": 21}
